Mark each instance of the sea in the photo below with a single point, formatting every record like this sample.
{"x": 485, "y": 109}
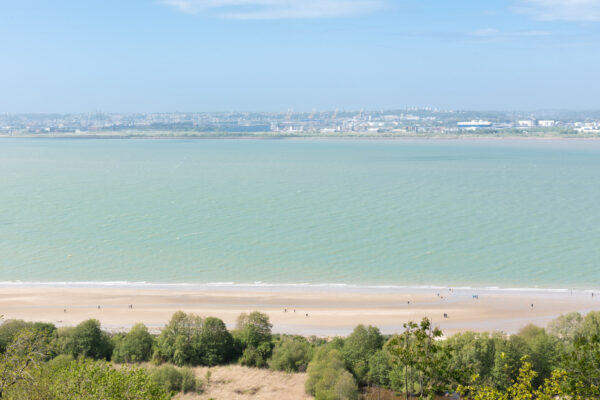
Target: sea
{"x": 512, "y": 214}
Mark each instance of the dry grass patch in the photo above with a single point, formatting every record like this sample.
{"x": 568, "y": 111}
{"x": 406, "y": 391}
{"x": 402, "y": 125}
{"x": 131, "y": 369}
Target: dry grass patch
{"x": 234, "y": 382}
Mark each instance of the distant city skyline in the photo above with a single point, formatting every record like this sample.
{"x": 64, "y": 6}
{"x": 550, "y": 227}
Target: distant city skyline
{"x": 275, "y": 55}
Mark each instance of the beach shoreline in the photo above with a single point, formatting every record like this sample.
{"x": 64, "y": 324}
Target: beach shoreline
{"x": 320, "y": 311}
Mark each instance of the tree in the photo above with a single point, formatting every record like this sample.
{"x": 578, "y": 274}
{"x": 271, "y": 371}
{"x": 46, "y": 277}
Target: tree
{"x": 291, "y": 354}
{"x": 567, "y": 327}
{"x": 521, "y": 388}
{"x": 254, "y": 336}
{"x": 328, "y": 378}
{"x": 175, "y": 342}
{"x": 86, "y": 340}
{"x": 135, "y": 346}
{"x": 422, "y": 360}
{"x": 470, "y": 352}
{"x": 10, "y": 328}
{"x": 544, "y": 351}
{"x": 215, "y": 342}
{"x": 581, "y": 365}
{"x": 27, "y": 351}
{"x": 358, "y": 347}
{"x": 379, "y": 369}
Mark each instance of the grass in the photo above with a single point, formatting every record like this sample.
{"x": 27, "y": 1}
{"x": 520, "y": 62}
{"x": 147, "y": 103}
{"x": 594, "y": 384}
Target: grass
{"x": 241, "y": 383}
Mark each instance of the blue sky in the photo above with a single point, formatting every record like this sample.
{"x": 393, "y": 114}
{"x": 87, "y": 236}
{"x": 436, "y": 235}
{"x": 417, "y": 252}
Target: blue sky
{"x": 272, "y": 55}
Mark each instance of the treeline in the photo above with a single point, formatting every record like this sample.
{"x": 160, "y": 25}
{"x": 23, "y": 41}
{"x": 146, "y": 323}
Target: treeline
{"x": 40, "y": 361}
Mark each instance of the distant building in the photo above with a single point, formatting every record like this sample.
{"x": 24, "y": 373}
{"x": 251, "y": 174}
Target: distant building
{"x": 475, "y": 124}
{"x": 546, "y": 123}
{"x": 526, "y": 123}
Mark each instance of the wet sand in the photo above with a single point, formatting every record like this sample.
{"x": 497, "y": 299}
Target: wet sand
{"x": 330, "y": 312}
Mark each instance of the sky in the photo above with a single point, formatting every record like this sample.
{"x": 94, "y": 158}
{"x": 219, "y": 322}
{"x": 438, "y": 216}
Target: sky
{"x": 273, "y": 55}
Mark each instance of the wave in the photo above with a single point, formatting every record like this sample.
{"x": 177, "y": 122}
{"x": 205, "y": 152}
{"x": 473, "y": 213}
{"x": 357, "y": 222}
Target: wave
{"x": 263, "y": 286}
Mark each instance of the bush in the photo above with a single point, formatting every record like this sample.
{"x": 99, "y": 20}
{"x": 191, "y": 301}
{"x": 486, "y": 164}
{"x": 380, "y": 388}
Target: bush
{"x": 189, "y": 340}
{"x": 135, "y": 346}
{"x": 362, "y": 343}
{"x": 86, "y": 379}
{"x": 174, "y": 379}
{"x": 291, "y": 354}
{"x": 253, "y": 336}
{"x": 327, "y": 377}
{"x": 215, "y": 342}
{"x": 10, "y": 328}
{"x": 86, "y": 340}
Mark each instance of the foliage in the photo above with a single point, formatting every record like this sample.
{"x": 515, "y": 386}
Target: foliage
{"x": 28, "y": 349}
{"x": 189, "y": 340}
{"x": 379, "y": 369}
{"x": 85, "y": 340}
{"x": 421, "y": 359}
{"x": 253, "y": 336}
{"x": 10, "y": 328}
{"x": 581, "y": 365}
{"x": 327, "y": 377}
{"x": 566, "y": 327}
{"x": 358, "y": 347}
{"x": 291, "y": 354}
{"x": 520, "y": 389}
{"x": 91, "y": 380}
{"x": 135, "y": 346}
{"x": 215, "y": 342}
{"x": 176, "y": 379}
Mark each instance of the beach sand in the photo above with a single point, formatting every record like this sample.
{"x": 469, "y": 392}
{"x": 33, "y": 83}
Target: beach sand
{"x": 330, "y": 311}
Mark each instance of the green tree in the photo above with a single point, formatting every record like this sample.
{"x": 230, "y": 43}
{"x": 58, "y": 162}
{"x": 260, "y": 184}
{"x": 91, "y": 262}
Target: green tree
{"x": 471, "y": 351}
{"x": 422, "y": 360}
{"x": 254, "y": 337}
{"x": 215, "y": 343}
{"x": 291, "y": 354}
{"x": 358, "y": 347}
{"x": 521, "y": 388}
{"x": 85, "y": 339}
{"x": 135, "y": 346}
{"x": 567, "y": 327}
{"x": 25, "y": 353}
{"x": 10, "y": 328}
{"x": 176, "y": 341}
{"x": 543, "y": 350}
{"x": 379, "y": 369}
{"x": 328, "y": 378}
{"x": 582, "y": 367}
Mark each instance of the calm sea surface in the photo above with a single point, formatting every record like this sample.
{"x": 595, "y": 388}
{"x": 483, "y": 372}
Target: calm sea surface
{"x": 450, "y": 213}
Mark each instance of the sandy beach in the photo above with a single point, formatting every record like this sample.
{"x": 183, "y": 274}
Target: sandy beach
{"x": 310, "y": 311}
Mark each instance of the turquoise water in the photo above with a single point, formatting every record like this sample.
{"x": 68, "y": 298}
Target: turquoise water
{"x": 449, "y": 213}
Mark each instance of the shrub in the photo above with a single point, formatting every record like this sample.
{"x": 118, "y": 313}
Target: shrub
{"x": 215, "y": 342}
{"x": 86, "y": 340}
{"x": 362, "y": 343}
{"x": 135, "y": 346}
{"x": 291, "y": 354}
{"x": 10, "y": 328}
{"x": 174, "y": 379}
{"x": 253, "y": 336}
{"x": 189, "y": 340}
{"x": 327, "y": 377}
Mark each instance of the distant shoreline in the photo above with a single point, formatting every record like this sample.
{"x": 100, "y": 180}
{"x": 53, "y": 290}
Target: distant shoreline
{"x": 291, "y": 287}
{"x": 267, "y": 136}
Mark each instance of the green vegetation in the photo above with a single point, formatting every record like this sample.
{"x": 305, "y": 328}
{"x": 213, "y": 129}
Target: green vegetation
{"x": 38, "y": 361}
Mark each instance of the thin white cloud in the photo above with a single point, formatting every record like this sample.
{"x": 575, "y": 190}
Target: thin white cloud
{"x": 277, "y": 9}
{"x": 492, "y": 33}
{"x": 561, "y": 10}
